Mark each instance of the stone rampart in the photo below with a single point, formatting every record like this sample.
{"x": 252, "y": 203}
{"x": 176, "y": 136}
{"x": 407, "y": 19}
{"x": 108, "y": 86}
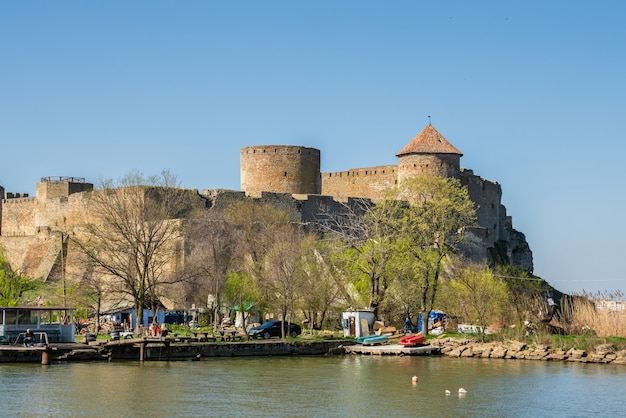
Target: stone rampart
{"x": 487, "y": 196}
{"x": 18, "y": 216}
{"x": 32, "y": 226}
{"x": 371, "y": 183}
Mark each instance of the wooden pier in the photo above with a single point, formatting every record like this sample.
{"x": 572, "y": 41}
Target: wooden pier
{"x": 45, "y": 354}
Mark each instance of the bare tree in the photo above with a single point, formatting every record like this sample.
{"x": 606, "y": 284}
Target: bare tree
{"x": 213, "y": 253}
{"x": 254, "y": 230}
{"x": 281, "y": 272}
{"x": 134, "y": 236}
{"x": 323, "y": 285}
{"x": 269, "y": 247}
{"x": 476, "y": 295}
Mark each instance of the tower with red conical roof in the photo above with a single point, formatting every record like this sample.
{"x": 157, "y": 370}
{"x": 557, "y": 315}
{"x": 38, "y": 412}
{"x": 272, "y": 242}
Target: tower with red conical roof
{"x": 429, "y": 153}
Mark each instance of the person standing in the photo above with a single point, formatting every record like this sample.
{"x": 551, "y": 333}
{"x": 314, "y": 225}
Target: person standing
{"x": 407, "y": 327}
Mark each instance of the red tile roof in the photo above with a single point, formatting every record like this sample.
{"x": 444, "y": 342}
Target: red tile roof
{"x": 429, "y": 141}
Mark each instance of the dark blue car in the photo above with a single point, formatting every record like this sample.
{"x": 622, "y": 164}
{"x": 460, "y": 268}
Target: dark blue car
{"x": 272, "y": 329}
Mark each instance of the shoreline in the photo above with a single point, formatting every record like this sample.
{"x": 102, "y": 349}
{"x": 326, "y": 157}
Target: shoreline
{"x": 165, "y": 350}
{"x": 517, "y": 350}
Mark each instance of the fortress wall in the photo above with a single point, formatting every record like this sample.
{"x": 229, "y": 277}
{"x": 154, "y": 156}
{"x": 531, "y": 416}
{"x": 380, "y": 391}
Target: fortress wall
{"x": 220, "y": 198}
{"x": 1, "y": 195}
{"x": 506, "y": 224}
{"x": 280, "y": 169}
{"x": 487, "y": 196}
{"x": 33, "y": 215}
{"x": 61, "y": 187}
{"x": 318, "y": 206}
{"x": 371, "y": 183}
{"x": 18, "y": 251}
{"x": 18, "y": 216}
{"x": 63, "y": 212}
{"x": 442, "y": 165}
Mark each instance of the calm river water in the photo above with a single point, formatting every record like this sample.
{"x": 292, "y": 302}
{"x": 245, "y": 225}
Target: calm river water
{"x": 338, "y": 386}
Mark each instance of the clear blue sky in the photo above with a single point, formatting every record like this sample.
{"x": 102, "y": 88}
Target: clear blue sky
{"x": 532, "y": 92}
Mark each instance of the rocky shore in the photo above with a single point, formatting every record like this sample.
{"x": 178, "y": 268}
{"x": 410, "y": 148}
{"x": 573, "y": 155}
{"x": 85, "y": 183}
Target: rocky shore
{"x": 465, "y": 347}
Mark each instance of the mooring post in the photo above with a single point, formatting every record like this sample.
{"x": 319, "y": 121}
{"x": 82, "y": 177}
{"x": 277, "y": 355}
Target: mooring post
{"x": 45, "y": 356}
{"x": 142, "y": 348}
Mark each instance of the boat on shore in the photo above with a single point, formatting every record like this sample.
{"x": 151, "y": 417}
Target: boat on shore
{"x": 373, "y": 339}
{"x": 412, "y": 340}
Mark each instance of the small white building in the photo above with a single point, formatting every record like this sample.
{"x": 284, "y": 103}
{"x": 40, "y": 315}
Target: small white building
{"x": 357, "y": 323}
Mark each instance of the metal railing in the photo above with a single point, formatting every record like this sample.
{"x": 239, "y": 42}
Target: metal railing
{"x": 62, "y": 179}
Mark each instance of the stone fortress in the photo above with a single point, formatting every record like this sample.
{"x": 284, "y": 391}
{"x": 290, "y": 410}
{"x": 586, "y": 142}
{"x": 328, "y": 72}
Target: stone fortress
{"x": 33, "y": 230}
{"x": 295, "y": 170}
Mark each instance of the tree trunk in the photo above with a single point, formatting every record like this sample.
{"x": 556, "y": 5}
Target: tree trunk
{"x": 139, "y": 318}
{"x": 424, "y": 318}
{"x": 98, "y": 308}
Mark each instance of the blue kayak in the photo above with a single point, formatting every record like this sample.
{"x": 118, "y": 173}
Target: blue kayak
{"x": 372, "y": 339}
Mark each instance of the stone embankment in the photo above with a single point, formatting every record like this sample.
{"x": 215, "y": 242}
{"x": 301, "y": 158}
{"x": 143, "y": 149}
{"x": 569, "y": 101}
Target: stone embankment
{"x": 464, "y": 347}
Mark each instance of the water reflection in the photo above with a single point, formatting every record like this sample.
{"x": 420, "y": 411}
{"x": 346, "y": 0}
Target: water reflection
{"x": 314, "y": 387}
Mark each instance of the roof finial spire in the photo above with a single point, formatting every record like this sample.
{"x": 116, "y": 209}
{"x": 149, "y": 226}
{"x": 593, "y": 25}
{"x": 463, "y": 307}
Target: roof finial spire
{"x": 429, "y": 121}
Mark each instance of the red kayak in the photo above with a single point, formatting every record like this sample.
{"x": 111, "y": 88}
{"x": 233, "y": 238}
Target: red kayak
{"x": 411, "y": 340}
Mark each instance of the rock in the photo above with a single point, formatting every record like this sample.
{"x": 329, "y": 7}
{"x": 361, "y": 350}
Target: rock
{"x": 486, "y": 352}
{"x": 556, "y": 355}
{"x": 457, "y": 351}
{"x": 498, "y": 352}
{"x": 604, "y": 348}
{"x": 575, "y": 355}
{"x": 610, "y": 357}
{"x": 516, "y": 345}
{"x": 467, "y": 352}
{"x": 597, "y": 358}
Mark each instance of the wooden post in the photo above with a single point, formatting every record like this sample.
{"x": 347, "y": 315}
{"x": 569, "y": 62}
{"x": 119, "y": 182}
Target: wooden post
{"x": 45, "y": 357}
{"x": 142, "y": 349}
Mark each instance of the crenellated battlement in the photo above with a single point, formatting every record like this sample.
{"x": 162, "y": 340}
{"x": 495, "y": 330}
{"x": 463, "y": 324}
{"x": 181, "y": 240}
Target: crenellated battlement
{"x": 286, "y": 176}
{"x": 427, "y": 153}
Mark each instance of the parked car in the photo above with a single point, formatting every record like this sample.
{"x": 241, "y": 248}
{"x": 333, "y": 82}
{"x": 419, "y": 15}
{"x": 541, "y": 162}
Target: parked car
{"x": 272, "y": 329}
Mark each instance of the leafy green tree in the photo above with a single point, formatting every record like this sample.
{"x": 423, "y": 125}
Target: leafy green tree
{"x": 427, "y": 230}
{"x": 476, "y": 296}
{"x": 362, "y": 228}
{"x": 13, "y": 286}
{"x": 323, "y": 285}
{"x": 239, "y": 290}
{"x": 405, "y": 296}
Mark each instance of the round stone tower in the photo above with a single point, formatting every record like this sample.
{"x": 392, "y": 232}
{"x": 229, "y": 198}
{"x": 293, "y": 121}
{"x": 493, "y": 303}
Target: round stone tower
{"x": 429, "y": 152}
{"x": 280, "y": 169}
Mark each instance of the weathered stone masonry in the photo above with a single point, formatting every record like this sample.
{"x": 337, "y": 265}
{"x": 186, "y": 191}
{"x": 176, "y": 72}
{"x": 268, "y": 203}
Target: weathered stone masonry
{"x": 429, "y": 152}
{"x": 289, "y": 177}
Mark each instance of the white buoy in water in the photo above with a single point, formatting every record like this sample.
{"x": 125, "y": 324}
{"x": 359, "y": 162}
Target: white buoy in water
{"x": 414, "y": 379}
{"x": 462, "y": 391}
{"x": 447, "y": 392}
